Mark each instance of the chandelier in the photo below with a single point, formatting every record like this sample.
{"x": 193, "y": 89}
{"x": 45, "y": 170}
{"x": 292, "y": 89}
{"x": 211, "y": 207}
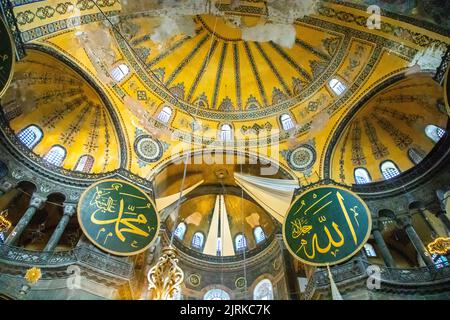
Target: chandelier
{"x": 165, "y": 277}
{"x": 5, "y": 224}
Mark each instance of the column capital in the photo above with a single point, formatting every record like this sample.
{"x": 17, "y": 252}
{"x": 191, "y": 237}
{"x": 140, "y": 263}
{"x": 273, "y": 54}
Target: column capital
{"x": 376, "y": 225}
{"x": 69, "y": 209}
{"x": 404, "y": 221}
{"x": 37, "y": 201}
{"x": 6, "y": 185}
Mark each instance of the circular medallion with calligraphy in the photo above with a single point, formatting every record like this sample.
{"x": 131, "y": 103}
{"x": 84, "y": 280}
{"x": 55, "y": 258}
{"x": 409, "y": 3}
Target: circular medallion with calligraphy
{"x": 147, "y": 148}
{"x": 302, "y": 158}
{"x": 6, "y": 57}
{"x": 326, "y": 225}
{"x": 118, "y": 217}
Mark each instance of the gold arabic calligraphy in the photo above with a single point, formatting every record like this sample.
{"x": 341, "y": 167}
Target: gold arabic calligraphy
{"x": 301, "y": 227}
{"x": 123, "y": 223}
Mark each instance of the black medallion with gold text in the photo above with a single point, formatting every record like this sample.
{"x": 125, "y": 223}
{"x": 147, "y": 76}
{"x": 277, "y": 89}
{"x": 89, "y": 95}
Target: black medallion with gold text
{"x": 326, "y": 225}
{"x": 6, "y": 57}
{"x": 118, "y": 217}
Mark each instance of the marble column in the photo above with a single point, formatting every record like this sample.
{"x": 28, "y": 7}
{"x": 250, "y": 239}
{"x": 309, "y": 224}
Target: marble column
{"x": 381, "y": 244}
{"x": 445, "y": 220}
{"x": 36, "y": 203}
{"x": 69, "y": 210}
{"x": 406, "y": 224}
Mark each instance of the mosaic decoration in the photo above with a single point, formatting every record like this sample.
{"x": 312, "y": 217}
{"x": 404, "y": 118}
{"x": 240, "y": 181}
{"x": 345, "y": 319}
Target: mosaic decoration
{"x": 6, "y": 57}
{"x": 302, "y": 158}
{"x": 326, "y": 225}
{"x": 118, "y": 217}
{"x": 148, "y": 149}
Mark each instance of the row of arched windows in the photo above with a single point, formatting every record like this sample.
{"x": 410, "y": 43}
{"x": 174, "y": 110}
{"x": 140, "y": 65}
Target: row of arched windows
{"x": 263, "y": 291}
{"x": 240, "y": 241}
{"x": 32, "y": 135}
{"x": 389, "y": 169}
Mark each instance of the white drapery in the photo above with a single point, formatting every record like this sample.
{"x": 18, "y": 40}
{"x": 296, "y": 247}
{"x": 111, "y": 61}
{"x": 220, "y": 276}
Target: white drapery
{"x": 274, "y": 195}
{"x": 225, "y": 244}
{"x": 162, "y": 203}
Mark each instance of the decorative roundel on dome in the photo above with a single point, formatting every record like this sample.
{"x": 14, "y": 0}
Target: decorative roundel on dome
{"x": 194, "y": 280}
{"x": 302, "y": 158}
{"x": 147, "y": 148}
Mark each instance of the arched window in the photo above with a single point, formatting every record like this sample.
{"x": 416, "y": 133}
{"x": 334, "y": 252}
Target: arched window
{"x": 240, "y": 242}
{"x": 337, "y": 86}
{"x": 30, "y": 136}
{"x": 415, "y": 156}
{"x": 216, "y": 294}
{"x": 180, "y": 230}
{"x": 165, "y": 114}
{"x": 120, "y": 72}
{"x": 259, "y": 234}
{"x": 85, "y": 164}
{"x": 286, "y": 122}
{"x": 226, "y": 132}
{"x": 389, "y": 170}
{"x": 370, "y": 251}
{"x": 56, "y": 156}
{"x": 263, "y": 290}
{"x": 197, "y": 240}
{"x": 434, "y": 133}
{"x": 362, "y": 176}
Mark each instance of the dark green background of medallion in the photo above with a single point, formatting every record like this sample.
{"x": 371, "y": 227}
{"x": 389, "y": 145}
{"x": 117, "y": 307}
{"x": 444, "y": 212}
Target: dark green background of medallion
{"x": 115, "y": 245}
{"x": 6, "y": 67}
{"x": 333, "y": 213}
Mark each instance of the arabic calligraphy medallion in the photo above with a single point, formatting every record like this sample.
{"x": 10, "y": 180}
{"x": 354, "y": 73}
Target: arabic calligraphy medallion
{"x": 6, "y": 57}
{"x": 118, "y": 217}
{"x": 326, "y": 225}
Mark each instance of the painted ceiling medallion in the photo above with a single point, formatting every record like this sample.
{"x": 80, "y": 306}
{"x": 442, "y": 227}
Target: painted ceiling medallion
{"x": 302, "y": 158}
{"x": 148, "y": 149}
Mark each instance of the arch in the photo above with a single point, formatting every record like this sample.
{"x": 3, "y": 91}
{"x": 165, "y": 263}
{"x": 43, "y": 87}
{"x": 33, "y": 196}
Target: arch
{"x": 119, "y": 72}
{"x": 259, "y": 234}
{"x": 337, "y": 86}
{"x": 165, "y": 114}
{"x": 197, "y": 240}
{"x": 389, "y": 169}
{"x": 286, "y": 122}
{"x": 180, "y": 230}
{"x": 434, "y": 133}
{"x": 370, "y": 250}
{"x": 85, "y": 164}
{"x": 263, "y": 290}
{"x": 240, "y": 242}
{"x": 30, "y": 136}
{"x": 362, "y": 176}
{"x": 226, "y": 132}
{"x": 216, "y": 294}
{"x": 415, "y": 156}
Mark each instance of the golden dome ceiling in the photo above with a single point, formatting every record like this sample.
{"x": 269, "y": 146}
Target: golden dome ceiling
{"x": 218, "y": 78}
{"x": 217, "y": 70}
{"x": 387, "y": 127}
{"x": 49, "y": 94}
